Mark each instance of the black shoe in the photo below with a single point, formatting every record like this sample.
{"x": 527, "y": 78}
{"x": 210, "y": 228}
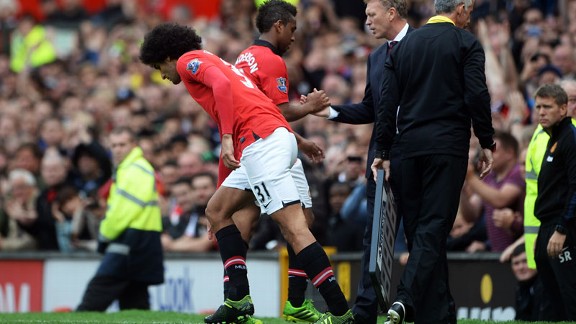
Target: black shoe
{"x": 234, "y": 312}
{"x": 396, "y": 314}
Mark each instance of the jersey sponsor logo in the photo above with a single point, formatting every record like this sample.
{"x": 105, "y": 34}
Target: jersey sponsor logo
{"x": 249, "y": 59}
{"x": 550, "y": 158}
{"x": 281, "y": 84}
{"x": 193, "y": 65}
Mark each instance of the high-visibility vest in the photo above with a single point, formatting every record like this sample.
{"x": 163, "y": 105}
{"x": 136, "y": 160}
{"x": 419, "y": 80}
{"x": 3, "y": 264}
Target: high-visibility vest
{"x": 133, "y": 200}
{"x": 534, "y": 157}
{"x": 33, "y": 49}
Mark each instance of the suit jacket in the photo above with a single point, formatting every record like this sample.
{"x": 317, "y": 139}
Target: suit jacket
{"x": 365, "y": 111}
{"x": 436, "y": 77}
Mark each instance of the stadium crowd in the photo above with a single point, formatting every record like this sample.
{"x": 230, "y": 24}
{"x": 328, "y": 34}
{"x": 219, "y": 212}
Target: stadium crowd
{"x": 70, "y": 74}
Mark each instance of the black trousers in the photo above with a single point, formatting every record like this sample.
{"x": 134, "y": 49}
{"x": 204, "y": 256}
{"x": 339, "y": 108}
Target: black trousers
{"x": 430, "y": 193}
{"x": 558, "y": 275}
{"x": 365, "y": 307}
{"x": 102, "y": 291}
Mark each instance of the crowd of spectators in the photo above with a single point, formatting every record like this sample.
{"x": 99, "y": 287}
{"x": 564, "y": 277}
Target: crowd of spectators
{"x": 69, "y": 78}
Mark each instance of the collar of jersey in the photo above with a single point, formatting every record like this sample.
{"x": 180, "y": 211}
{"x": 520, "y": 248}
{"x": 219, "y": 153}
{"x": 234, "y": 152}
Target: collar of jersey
{"x": 264, "y": 43}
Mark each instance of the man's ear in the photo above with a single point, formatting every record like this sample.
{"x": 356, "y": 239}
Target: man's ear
{"x": 564, "y": 110}
{"x": 392, "y": 13}
{"x": 278, "y": 25}
{"x": 460, "y": 9}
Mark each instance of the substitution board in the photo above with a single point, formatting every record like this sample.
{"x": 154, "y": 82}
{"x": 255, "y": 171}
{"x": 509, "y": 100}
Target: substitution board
{"x": 383, "y": 238}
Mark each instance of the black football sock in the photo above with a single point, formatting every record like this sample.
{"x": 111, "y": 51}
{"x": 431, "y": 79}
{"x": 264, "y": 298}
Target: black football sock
{"x": 233, "y": 253}
{"x": 297, "y": 279}
{"x": 317, "y": 266}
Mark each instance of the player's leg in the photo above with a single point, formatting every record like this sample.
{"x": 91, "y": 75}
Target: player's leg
{"x": 224, "y": 203}
{"x": 268, "y": 162}
{"x": 297, "y": 307}
{"x": 245, "y": 218}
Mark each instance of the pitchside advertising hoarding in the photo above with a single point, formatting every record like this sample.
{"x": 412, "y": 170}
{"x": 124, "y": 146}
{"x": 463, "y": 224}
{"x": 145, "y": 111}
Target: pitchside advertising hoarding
{"x": 21, "y": 286}
{"x": 191, "y": 286}
{"x": 482, "y": 287}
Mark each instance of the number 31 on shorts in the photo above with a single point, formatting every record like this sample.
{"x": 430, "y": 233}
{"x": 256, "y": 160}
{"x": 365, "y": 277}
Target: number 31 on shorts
{"x": 262, "y": 194}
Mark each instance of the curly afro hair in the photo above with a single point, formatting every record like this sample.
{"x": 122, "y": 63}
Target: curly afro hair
{"x": 168, "y": 40}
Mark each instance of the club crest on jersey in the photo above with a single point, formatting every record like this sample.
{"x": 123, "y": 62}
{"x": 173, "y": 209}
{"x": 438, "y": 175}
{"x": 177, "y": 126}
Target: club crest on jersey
{"x": 553, "y": 147}
{"x": 193, "y": 65}
{"x": 281, "y": 84}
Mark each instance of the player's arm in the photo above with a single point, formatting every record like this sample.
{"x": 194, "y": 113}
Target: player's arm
{"x": 222, "y": 92}
{"x": 273, "y": 81}
{"x": 315, "y": 102}
{"x": 309, "y": 148}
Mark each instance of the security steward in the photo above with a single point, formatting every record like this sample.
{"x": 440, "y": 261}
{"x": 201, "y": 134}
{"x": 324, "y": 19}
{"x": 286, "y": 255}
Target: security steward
{"x": 129, "y": 234}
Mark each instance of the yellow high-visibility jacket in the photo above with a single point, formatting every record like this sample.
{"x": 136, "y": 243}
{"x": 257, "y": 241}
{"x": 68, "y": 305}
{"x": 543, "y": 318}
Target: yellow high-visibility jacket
{"x": 133, "y": 223}
{"x": 534, "y": 157}
{"x": 33, "y": 49}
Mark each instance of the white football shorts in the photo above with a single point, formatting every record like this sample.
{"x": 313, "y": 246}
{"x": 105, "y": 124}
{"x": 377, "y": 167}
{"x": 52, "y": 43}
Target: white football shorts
{"x": 270, "y": 169}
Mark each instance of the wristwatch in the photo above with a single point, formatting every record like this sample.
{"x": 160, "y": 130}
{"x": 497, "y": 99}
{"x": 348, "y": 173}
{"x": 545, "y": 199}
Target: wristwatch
{"x": 561, "y": 229}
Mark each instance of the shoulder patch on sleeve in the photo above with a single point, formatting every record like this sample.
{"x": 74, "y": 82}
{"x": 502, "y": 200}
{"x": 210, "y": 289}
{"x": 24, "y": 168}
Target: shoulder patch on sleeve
{"x": 281, "y": 84}
{"x": 193, "y": 65}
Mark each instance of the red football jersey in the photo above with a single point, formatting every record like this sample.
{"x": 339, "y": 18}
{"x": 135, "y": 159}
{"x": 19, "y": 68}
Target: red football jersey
{"x": 267, "y": 70}
{"x": 230, "y": 98}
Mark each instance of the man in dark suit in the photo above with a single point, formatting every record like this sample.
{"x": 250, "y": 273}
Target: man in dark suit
{"x": 387, "y": 20}
{"x": 434, "y": 89}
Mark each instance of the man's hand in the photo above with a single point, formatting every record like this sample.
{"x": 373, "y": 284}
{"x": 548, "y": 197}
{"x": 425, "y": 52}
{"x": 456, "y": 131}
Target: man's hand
{"x": 380, "y": 164}
{"x": 485, "y": 162}
{"x": 316, "y": 101}
{"x": 555, "y": 244}
{"x": 227, "y": 153}
{"x": 311, "y": 150}
{"x": 56, "y": 213}
{"x": 476, "y": 246}
{"x": 503, "y": 218}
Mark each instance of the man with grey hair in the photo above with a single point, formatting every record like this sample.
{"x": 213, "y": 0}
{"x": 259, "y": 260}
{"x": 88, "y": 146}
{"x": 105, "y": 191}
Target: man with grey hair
{"x": 386, "y": 19}
{"x": 434, "y": 91}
